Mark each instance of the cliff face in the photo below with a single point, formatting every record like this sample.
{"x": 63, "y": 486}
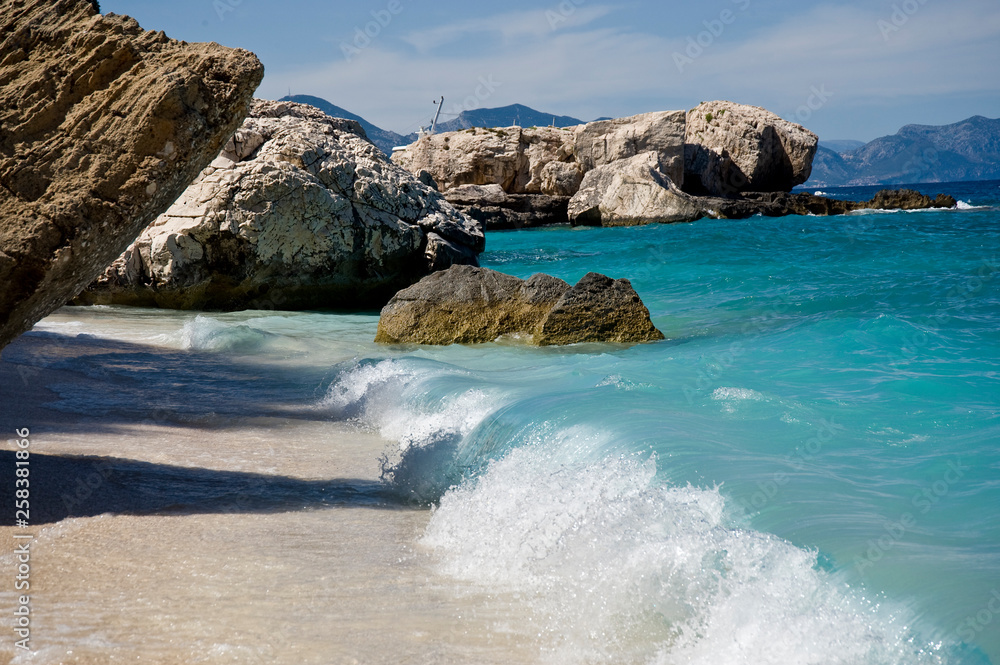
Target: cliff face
{"x": 299, "y": 211}
{"x": 102, "y": 127}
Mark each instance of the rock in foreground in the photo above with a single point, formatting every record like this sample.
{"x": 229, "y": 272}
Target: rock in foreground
{"x": 103, "y": 126}
{"x": 467, "y": 305}
{"x": 300, "y": 211}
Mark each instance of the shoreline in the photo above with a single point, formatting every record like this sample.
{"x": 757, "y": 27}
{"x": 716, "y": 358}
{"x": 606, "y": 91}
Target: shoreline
{"x": 255, "y": 539}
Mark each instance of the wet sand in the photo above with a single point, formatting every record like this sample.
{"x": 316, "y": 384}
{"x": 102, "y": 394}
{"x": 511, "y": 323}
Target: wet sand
{"x": 220, "y": 539}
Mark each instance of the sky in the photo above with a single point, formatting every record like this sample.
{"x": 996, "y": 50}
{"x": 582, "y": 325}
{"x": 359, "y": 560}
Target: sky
{"x": 847, "y": 69}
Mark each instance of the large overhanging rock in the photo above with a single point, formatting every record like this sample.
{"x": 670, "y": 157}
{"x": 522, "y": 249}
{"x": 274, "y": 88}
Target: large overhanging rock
{"x": 299, "y": 211}
{"x": 732, "y": 148}
{"x": 102, "y": 126}
{"x": 630, "y": 192}
{"x": 466, "y": 305}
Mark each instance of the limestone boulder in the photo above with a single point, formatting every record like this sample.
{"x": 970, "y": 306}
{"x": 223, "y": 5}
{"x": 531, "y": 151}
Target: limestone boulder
{"x": 597, "y": 309}
{"x": 732, "y": 148}
{"x": 606, "y": 141}
{"x": 630, "y": 192}
{"x": 512, "y": 157}
{"x": 103, "y": 125}
{"x": 466, "y": 305}
{"x": 298, "y": 211}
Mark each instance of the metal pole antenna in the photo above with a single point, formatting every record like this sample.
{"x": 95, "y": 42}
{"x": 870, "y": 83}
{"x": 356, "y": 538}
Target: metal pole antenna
{"x": 440, "y": 105}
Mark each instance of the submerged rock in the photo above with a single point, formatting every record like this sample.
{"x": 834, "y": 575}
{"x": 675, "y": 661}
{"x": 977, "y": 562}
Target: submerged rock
{"x": 299, "y": 211}
{"x": 732, "y": 148}
{"x": 468, "y": 305}
{"x": 104, "y": 124}
{"x": 630, "y": 192}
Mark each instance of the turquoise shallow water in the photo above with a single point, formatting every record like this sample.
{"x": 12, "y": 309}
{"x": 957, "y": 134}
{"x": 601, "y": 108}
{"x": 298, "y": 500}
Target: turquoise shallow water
{"x": 806, "y": 471}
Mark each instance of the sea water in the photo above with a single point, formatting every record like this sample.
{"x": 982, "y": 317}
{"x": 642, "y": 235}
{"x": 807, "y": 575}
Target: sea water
{"x": 807, "y": 470}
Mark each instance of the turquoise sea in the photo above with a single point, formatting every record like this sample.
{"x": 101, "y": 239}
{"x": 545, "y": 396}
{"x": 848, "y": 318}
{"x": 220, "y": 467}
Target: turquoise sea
{"x": 806, "y": 471}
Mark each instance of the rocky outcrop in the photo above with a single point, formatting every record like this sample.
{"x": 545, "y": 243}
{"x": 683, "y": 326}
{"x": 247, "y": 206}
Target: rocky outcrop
{"x": 495, "y": 209}
{"x": 597, "y": 309}
{"x": 102, "y": 126}
{"x": 467, "y": 305}
{"x": 630, "y": 192}
{"x": 733, "y": 148}
{"x": 512, "y": 157}
{"x": 299, "y": 211}
{"x": 779, "y": 204}
{"x": 607, "y": 141}
{"x": 545, "y": 160}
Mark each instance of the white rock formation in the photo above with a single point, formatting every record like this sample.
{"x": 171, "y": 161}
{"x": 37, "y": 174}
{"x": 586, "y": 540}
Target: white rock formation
{"x": 732, "y": 148}
{"x": 299, "y": 210}
{"x": 629, "y": 192}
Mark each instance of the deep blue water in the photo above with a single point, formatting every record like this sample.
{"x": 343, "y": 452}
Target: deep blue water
{"x": 806, "y": 471}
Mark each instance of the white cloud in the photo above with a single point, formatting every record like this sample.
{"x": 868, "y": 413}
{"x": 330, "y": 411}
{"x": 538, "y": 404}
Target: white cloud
{"x": 512, "y": 27}
{"x": 586, "y": 70}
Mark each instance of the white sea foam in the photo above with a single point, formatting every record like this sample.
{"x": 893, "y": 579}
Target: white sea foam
{"x": 389, "y": 397}
{"x": 205, "y": 333}
{"x": 618, "y": 568}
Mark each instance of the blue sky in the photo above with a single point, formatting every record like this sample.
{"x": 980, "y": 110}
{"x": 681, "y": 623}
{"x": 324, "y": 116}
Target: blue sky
{"x": 845, "y": 69}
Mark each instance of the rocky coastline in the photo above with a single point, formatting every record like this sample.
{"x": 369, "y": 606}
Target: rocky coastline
{"x": 719, "y": 160}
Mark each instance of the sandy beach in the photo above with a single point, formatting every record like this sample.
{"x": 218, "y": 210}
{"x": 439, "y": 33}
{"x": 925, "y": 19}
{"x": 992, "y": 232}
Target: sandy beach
{"x": 218, "y": 539}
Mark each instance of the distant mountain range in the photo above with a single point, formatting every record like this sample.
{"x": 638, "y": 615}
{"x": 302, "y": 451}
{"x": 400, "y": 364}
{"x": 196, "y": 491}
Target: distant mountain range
{"x": 966, "y": 150}
{"x": 507, "y": 116}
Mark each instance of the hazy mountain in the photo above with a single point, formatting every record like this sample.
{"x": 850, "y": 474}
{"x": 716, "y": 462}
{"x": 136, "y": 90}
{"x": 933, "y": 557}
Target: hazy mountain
{"x": 841, "y": 146}
{"x": 506, "y": 116}
{"x": 383, "y": 138}
{"x": 966, "y": 150}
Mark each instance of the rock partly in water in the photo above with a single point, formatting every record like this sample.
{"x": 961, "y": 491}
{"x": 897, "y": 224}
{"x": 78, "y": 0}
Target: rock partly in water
{"x": 495, "y": 209}
{"x": 732, "y": 148}
{"x": 779, "y": 204}
{"x": 104, "y": 125}
{"x": 467, "y": 305}
{"x": 630, "y": 192}
{"x": 299, "y": 211}
{"x": 597, "y": 309}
